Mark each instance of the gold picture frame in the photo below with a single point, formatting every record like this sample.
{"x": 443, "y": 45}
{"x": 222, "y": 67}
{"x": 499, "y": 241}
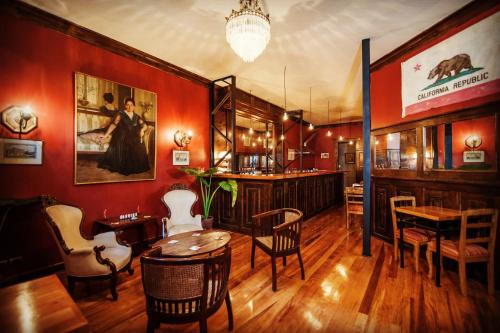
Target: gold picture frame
{"x": 115, "y": 131}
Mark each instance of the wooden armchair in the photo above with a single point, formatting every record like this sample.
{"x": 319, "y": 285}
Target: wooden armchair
{"x": 100, "y": 257}
{"x": 417, "y": 237}
{"x": 277, "y": 233}
{"x": 184, "y": 290}
{"x": 478, "y": 226}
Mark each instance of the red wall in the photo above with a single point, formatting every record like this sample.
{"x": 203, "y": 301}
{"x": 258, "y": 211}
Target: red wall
{"x": 292, "y": 141}
{"x": 37, "y": 67}
{"x": 386, "y": 104}
{"x": 325, "y": 144}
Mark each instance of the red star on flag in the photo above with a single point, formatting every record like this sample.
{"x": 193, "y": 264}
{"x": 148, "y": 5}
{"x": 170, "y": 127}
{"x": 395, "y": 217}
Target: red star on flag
{"x": 417, "y": 67}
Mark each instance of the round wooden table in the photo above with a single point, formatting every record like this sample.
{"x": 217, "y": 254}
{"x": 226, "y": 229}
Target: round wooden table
{"x": 193, "y": 243}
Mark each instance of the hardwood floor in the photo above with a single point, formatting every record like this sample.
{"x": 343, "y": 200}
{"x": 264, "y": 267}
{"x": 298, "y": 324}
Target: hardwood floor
{"x": 343, "y": 292}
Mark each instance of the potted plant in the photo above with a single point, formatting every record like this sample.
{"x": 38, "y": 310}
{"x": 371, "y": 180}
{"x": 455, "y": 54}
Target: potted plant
{"x": 204, "y": 178}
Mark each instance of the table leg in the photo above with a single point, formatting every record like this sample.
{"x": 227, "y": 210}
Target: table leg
{"x": 401, "y": 248}
{"x": 438, "y": 253}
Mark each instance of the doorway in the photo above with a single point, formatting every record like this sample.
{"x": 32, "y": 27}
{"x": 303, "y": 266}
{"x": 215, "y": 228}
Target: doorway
{"x": 347, "y": 161}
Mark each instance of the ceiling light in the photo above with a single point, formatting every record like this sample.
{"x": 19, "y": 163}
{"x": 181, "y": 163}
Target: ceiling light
{"x": 248, "y": 30}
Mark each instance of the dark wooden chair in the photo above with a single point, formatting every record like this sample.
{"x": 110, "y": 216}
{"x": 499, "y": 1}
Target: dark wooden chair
{"x": 478, "y": 230}
{"x": 185, "y": 290}
{"x": 277, "y": 233}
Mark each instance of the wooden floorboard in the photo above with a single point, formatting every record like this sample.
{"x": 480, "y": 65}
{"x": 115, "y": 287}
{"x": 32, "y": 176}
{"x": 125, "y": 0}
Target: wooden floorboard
{"x": 342, "y": 292}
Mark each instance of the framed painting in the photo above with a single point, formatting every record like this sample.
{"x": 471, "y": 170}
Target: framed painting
{"x": 16, "y": 151}
{"x": 115, "y": 132}
{"x": 350, "y": 158}
{"x": 180, "y": 157}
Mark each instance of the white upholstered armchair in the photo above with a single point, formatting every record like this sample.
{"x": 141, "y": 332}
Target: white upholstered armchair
{"x": 179, "y": 201}
{"x": 99, "y": 258}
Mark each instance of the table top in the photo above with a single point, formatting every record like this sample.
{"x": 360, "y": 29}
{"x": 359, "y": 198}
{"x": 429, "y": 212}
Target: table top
{"x": 180, "y": 245}
{"x": 41, "y": 305}
{"x": 431, "y": 213}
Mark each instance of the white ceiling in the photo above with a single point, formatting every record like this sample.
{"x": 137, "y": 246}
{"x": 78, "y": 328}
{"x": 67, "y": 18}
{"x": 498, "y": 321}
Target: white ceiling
{"x": 319, "y": 41}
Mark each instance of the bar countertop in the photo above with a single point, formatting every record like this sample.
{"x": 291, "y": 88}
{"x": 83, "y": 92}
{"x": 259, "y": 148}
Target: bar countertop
{"x": 276, "y": 176}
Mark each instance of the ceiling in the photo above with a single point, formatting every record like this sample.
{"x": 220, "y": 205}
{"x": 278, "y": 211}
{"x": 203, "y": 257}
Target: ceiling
{"x": 319, "y": 42}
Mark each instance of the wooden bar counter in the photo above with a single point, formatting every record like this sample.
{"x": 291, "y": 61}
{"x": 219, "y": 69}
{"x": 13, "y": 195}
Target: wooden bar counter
{"x": 310, "y": 192}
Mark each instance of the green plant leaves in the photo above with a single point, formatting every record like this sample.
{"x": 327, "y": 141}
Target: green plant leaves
{"x": 230, "y": 186}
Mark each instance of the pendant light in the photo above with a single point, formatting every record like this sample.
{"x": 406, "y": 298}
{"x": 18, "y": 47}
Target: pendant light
{"x": 285, "y": 115}
{"x": 350, "y": 136}
{"x": 250, "y": 130}
{"x": 329, "y": 133}
{"x": 311, "y": 126}
{"x": 340, "y": 126}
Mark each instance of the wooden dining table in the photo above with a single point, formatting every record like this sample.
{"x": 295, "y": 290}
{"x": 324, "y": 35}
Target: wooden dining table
{"x": 193, "y": 243}
{"x": 430, "y": 218}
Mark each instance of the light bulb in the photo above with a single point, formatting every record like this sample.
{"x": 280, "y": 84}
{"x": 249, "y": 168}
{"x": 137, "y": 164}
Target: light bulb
{"x": 376, "y": 142}
{"x": 341, "y": 138}
{"x": 268, "y": 134}
{"x": 329, "y": 133}
{"x": 311, "y": 127}
{"x": 259, "y": 139}
{"x": 243, "y": 136}
{"x": 250, "y": 131}
{"x": 282, "y": 137}
{"x": 253, "y": 144}
{"x": 351, "y": 142}
{"x": 285, "y": 116}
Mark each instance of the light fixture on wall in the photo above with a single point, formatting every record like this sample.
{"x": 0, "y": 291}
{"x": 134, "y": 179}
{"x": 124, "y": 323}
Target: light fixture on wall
{"x": 19, "y": 119}
{"x": 473, "y": 141}
{"x": 182, "y": 139}
{"x": 311, "y": 126}
{"x": 248, "y": 30}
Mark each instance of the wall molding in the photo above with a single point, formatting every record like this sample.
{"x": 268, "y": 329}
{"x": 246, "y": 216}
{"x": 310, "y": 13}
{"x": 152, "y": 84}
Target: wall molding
{"x": 439, "y": 29}
{"x": 51, "y": 21}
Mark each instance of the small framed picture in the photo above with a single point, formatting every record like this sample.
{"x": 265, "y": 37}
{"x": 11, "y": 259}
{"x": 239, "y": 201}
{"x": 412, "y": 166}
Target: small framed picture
{"x": 349, "y": 158}
{"x": 16, "y": 151}
{"x": 180, "y": 157}
{"x": 325, "y": 155}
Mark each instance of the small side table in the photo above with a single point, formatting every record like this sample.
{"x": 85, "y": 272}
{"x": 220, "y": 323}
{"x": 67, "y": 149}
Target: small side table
{"x": 138, "y": 233}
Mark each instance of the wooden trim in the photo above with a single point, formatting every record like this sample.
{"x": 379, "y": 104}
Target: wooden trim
{"x": 463, "y": 114}
{"x": 353, "y": 123}
{"x": 461, "y": 16}
{"x": 25, "y": 11}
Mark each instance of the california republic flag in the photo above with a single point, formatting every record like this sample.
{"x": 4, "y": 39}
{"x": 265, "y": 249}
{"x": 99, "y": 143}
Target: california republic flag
{"x": 462, "y": 67}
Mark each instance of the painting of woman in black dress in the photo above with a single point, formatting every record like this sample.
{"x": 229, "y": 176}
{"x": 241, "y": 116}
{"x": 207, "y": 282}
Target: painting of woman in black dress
{"x": 126, "y": 153}
{"x": 115, "y": 138}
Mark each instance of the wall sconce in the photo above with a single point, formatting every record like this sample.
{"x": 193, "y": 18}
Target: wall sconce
{"x": 182, "y": 139}
{"x": 473, "y": 142}
{"x": 19, "y": 119}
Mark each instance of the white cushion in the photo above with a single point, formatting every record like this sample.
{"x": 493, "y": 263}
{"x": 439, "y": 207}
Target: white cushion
{"x": 179, "y": 203}
{"x": 180, "y": 228}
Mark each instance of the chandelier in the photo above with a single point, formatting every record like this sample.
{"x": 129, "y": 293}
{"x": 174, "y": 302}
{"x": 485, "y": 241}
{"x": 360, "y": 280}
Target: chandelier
{"x": 248, "y": 30}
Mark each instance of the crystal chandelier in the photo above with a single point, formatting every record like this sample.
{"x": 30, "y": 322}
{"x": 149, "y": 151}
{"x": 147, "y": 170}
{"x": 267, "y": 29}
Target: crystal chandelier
{"x": 248, "y": 30}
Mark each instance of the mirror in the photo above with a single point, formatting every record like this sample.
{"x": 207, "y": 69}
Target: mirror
{"x": 255, "y": 143}
{"x": 396, "y": 150}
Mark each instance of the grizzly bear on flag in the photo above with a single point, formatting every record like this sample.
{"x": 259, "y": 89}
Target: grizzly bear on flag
{"x": 456, "y": 64}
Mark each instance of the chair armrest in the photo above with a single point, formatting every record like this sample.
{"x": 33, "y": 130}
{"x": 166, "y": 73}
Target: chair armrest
{"x": 108, "y": 239}
{"x": 81, "y": 251}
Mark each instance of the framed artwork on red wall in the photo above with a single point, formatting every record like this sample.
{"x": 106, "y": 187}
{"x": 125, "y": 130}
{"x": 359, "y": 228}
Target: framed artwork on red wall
{"x": 115, "y": 132}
